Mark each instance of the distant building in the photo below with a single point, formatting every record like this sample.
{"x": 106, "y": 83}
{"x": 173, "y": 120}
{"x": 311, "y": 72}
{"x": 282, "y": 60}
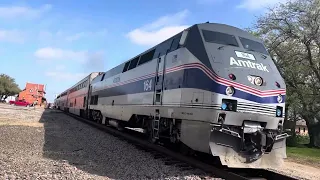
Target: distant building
{"x": 33, "y": 93}
{"x": 301, "y": 127}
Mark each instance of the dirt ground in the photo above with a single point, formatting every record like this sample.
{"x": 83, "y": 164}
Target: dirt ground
{"x": 299, "y": 171}
{"x": 47, "y": 144}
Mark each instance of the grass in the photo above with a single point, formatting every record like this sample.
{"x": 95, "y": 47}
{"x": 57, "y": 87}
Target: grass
{"x": 304, "y": 155}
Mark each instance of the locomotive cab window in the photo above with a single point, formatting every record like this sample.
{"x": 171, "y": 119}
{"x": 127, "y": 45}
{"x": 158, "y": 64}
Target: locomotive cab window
{"x": 253, "y": 45}
{"x": 147, "y": 57}
{"x": 133, "y": 63}
{"x": 175, "y": 43}
{"x": 95, "y": 100}
{"x": 91, "y": 100}
{"x": 126, "y": 66}
{"x": 103, "y": 76}
{"x": 219, "y": 38}
{"x": 163, "y": 48}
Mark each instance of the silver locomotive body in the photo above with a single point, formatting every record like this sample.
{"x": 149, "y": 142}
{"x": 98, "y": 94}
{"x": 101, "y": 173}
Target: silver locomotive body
{"x": 212, "y": 87}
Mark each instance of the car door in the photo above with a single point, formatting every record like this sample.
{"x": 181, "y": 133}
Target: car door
{"x": 18, "y": 103}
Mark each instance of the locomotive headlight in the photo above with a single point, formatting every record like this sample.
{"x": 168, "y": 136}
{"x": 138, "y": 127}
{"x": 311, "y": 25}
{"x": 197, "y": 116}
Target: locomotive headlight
{"x": 224, "y": 106}
{"x": 229, "y": 105}
{"x": 230, "y": 91}
{"x": 279, "y": 98}
{"x": 279, "y": 112}
{"x": 258, "y": 81}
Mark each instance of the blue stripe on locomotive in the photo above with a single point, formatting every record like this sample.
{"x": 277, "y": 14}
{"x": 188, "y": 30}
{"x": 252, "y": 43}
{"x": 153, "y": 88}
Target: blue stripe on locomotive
{"x": 187, "y": 78}
{"x": 198, "y": 79}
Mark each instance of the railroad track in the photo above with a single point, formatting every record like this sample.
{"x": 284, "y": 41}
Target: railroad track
{"x": 186, "y": 163}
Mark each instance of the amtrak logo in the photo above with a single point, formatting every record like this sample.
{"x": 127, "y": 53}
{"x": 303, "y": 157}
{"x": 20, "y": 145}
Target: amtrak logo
{"x": 248, "y": 64}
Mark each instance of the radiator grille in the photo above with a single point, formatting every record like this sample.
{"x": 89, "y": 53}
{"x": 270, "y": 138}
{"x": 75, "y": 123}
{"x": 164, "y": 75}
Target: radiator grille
{"x": 258, "y": 108}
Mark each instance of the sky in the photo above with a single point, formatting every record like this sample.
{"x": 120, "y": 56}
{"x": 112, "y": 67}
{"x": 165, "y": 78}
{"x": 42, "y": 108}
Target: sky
{"x": 57, "y": 43}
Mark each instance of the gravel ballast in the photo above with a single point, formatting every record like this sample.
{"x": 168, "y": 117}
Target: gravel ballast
{"x": 47, "y": 144}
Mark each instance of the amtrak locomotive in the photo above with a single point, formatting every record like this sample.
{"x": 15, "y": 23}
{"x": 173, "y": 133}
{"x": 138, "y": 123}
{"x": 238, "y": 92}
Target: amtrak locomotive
{"x": 211, "y": 88}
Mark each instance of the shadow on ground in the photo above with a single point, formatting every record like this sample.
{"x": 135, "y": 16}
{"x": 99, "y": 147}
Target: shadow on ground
{"x": 98, "y": 153}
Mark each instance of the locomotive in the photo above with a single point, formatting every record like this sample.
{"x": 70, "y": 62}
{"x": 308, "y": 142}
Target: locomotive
{"x": 212, "y": 88}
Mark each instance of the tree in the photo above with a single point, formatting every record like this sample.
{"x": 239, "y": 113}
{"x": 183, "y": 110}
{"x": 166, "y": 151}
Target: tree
{"x": 291, "y": 32}
{"x": 8, "y": 86}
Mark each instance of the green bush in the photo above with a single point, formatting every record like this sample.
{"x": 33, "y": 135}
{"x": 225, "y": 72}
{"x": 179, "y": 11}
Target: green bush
{"x": 297, "y": 141}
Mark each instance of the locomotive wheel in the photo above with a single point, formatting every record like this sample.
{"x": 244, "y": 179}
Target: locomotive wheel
{"x": 100, "y": 117}
{"x": 120, "y": 127}
{"x": 97, "y": 116}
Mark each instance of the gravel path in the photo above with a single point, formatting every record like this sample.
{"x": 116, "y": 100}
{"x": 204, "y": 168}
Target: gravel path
{"x": 38, "y": 144}
{"x": 299, "y": 171}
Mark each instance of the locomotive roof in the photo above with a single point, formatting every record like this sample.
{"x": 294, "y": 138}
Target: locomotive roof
{"x": 217, "y": 26}
{"x": 202, "y": 26}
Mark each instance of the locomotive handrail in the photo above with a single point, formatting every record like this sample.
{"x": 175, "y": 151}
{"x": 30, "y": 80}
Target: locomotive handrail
{"x": 282, "y": 136}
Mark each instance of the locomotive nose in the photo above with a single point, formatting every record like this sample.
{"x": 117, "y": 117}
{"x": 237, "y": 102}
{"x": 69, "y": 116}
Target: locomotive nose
{"x": 253, "y": 78}
{"x": 252, "y": 148}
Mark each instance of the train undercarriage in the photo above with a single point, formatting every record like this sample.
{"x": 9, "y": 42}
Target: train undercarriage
{"x": 248, "y": 146}
{"x": 157, "y": 130}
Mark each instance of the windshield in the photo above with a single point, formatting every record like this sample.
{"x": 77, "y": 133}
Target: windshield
{"x": 253, "y": 45}
{"x": 220, "y": 38}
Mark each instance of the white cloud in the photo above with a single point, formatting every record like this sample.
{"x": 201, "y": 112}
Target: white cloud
{"x": 154, "y": 37}
{"x": 50, "y": 53}
{"x": 22, "y": 11}
{"x": 159, "y": 30}
{"x": 14, "y": 36}
{"x": 89, "y": 61}
{"x": 256, "y": 5}
{"x": 65, "y": 76}
{"x": 95, "y": 62}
